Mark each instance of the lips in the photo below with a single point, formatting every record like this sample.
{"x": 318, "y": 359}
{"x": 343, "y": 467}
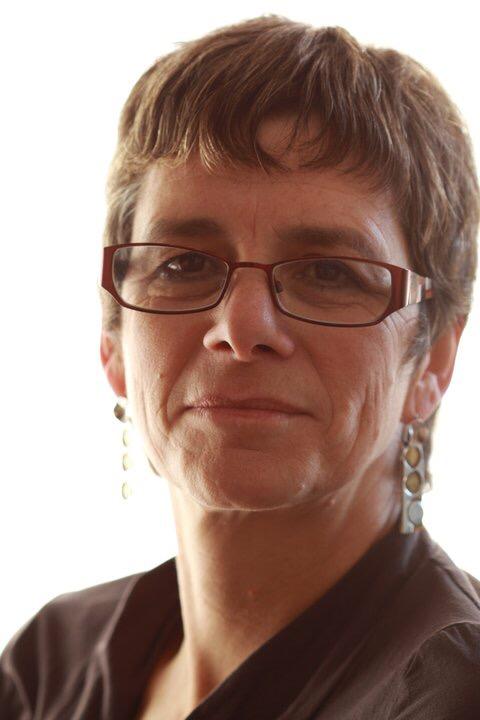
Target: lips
{"x": 254, "y": 403}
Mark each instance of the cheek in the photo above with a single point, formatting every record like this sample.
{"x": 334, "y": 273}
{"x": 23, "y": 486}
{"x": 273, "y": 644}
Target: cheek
{"x": 360, "y": 369}
{"x": 156, "y": 350}
{"x": 155, "y": 356}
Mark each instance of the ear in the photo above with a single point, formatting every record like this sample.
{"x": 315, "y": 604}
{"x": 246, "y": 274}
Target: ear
{"x": 112, "y": 361}
{"x": 432, "y": 377}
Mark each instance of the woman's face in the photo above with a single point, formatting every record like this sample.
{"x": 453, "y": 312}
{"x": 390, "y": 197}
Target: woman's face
{"x": 349, "y": 383}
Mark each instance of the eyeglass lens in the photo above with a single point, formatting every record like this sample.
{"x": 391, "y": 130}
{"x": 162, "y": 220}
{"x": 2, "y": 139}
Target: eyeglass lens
{"x": 173, "y": 279}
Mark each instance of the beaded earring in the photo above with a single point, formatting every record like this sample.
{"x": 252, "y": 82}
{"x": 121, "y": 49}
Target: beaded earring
{"x": 416, "y": 479}
{"x": 121, "y": 413}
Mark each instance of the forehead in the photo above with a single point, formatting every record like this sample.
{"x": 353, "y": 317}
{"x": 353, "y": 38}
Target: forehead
{"x": 256, "y": 211}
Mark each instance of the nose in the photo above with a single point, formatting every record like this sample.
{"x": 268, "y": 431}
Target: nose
{"x": 247, "y": 322}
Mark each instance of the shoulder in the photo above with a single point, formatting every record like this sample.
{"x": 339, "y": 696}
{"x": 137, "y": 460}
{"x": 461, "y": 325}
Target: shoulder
{"x": 452, "y": 591}
{"x": 55, "y": 645}
{"x": 441, "y": 680}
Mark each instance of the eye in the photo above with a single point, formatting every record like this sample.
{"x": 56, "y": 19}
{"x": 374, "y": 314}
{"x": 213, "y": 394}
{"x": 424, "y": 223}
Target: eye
{"x": 326, "y": 271}
{"x": 183, "y": 264}
{"x": 329, "y": 269}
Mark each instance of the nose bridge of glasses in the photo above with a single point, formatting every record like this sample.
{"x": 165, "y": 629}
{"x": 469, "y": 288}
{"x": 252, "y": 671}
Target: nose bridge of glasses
{"x": 264, "y": 268}
{"x": 261, "y": 266}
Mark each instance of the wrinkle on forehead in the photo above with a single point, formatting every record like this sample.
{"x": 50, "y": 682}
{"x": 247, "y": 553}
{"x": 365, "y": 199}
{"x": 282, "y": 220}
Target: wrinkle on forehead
{"x": 190, "y": 188}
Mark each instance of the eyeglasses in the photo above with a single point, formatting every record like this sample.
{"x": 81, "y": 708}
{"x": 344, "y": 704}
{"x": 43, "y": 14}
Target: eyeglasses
{"x": 320, "y": 289}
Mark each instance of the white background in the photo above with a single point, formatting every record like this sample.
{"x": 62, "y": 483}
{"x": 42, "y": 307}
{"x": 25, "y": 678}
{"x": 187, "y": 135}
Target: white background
{"x": 67, "y": 69}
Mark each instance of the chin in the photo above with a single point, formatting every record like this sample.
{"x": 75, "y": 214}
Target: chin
{"x": 249, "y": 486}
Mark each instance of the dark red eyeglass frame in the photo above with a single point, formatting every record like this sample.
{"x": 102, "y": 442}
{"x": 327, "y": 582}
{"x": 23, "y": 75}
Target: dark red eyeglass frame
{"x": 408, "y": 288}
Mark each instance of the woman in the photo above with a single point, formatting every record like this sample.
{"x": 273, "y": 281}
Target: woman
{"x": 297, "y": 216}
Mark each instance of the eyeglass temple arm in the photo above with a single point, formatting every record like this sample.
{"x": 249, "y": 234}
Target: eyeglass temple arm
{"x": 417, "y": 288}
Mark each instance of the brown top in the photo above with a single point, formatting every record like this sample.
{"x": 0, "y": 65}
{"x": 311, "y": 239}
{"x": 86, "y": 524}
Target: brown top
{"x": 397, "y": 638}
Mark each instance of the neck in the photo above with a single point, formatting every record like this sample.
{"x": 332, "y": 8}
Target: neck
{"x": 243, "y": 576}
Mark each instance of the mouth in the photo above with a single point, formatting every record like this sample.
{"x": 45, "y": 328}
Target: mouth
{"x": 242, "y": 412}
{"x": 237, "y": 416}
{"x": 247, "y": 406}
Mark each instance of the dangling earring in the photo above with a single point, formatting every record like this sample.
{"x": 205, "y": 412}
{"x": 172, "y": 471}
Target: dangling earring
{"x": 415, "y": 479}
{"x": 121, "y": 413}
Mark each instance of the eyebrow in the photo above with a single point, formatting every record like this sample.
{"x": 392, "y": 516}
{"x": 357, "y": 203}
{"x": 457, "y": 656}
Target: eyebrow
{"x": 325, "y": 237}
